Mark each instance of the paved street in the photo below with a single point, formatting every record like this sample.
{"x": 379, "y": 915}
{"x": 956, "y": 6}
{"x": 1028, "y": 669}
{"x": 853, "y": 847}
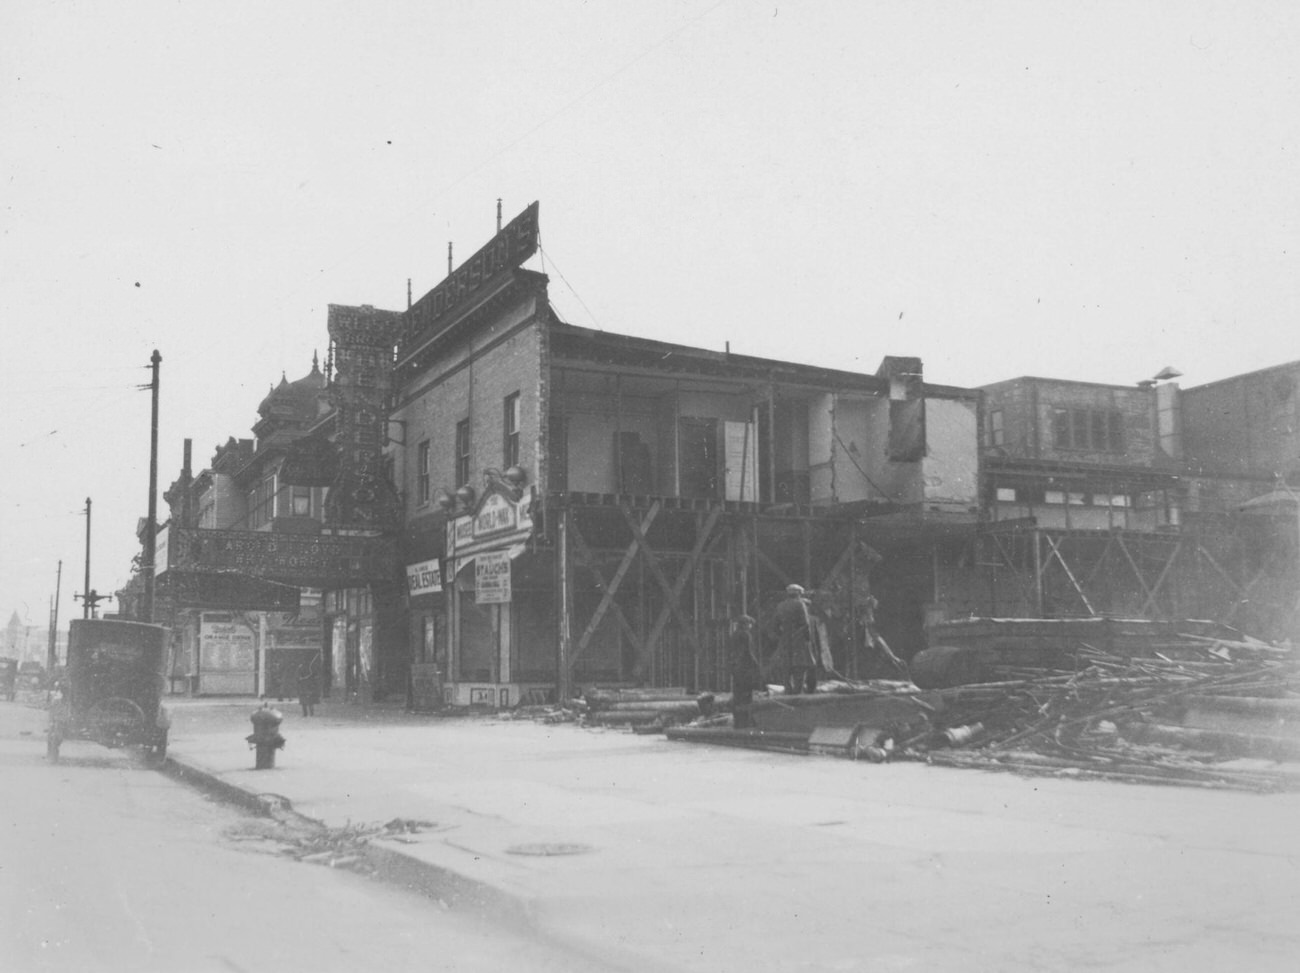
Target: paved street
{"x": 106, "y": 865}
{"x": 656, "y": 854}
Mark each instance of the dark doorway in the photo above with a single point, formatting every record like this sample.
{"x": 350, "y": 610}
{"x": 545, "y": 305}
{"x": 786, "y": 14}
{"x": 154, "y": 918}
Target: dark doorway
{"x": 697, "y": 456}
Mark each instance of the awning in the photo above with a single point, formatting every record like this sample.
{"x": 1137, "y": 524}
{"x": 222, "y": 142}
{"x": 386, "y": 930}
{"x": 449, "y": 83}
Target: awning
{"x": 461, "y": 563}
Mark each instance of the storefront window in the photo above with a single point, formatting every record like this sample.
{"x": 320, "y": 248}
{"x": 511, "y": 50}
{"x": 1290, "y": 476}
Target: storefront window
{"x": 479, "y": 629}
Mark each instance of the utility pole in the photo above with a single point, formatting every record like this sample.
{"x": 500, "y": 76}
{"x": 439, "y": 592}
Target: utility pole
{"x": 151, "y": 527}
{"x": 87, "y": 604}
{"x": 89, "y": 599}
{"x": 53, "y": 655}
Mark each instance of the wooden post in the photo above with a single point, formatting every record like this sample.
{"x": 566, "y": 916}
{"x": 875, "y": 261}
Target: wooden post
{"x": 1038, "y": 574}
{"x": 853, "y": 600}
{"x": 563, "y": 684}
{"x": 807, "y": 554}
{"x": 696, "y": 594}
{"x": 771, "y": 445}
{"x": 619, "y": 482}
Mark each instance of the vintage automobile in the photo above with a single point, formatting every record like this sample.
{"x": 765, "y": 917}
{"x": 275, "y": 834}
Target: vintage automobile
{"x": 8, "y": 678}
{"x": 31, "y": 676}
{"x": 111, "y": 690}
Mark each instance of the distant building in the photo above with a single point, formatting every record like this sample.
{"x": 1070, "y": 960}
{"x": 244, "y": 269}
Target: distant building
{"x": 255, "y": 564}
{"x": 1242, "y": 438}
{"x": 1080, "y": 455}
{"x": 1146, "y": 501}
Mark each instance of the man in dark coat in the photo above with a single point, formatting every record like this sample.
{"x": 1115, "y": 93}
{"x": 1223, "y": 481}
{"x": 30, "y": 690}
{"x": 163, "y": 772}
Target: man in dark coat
{"x": 309, "y": 685}
{"x": 794, "y": 636}
{"x": 746, "y": 672}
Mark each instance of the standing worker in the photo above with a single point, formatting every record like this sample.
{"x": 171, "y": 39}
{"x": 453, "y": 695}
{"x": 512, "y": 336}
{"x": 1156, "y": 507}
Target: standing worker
{"x": 794, "y": 636}
{"x": 309, "y": 685}
{"x": 746, "y": 673}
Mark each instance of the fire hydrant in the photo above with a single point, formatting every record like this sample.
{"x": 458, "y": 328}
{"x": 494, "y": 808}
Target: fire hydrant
{"x": 266, "y": 736}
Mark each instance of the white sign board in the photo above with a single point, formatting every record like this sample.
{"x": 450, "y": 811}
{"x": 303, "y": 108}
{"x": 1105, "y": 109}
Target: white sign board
{"x": 492, "y": 577}
{"x": 227, "y": 654}
{"x": 423, "y": 578}
{"x": 161, "y": 538}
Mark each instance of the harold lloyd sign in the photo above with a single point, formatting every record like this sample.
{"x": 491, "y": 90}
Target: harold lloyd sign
{"x": 492, "y": 577}
{"x": 423, "y": 578}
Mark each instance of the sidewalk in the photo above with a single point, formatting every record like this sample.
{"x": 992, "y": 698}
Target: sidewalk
{"x": 651, "y": 854}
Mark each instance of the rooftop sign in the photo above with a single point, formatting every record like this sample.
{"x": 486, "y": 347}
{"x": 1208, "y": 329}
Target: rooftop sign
{"x": 513, "y": 244}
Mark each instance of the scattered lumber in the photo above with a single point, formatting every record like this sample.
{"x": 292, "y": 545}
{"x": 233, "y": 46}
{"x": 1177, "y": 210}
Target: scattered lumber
{"x": 1168, "y": 717}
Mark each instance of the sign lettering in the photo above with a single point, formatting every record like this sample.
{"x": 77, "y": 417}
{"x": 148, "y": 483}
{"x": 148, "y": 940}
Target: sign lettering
{"x": 423, "y": 578}
{"x": 516, "y": 242}
{"x": 492, "y": 578}
{"x": 309, "y": 560}
{"x": 496, "y": 514}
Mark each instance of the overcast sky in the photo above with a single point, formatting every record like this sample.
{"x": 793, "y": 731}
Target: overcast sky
{"x": 1078, "y": 190}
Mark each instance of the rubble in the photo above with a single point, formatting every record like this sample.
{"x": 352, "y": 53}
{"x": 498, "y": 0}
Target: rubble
{"x": 1186, "y": 708}
{"x": 1199, "y": 711}
{"x": 1184, "y": 714}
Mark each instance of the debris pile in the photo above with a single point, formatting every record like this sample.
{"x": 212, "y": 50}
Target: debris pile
{"x": 1205, "y": 711}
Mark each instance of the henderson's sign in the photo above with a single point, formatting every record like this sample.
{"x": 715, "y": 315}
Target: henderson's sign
{"x": 309, "y": 560}
{"x": 515, "y": 243}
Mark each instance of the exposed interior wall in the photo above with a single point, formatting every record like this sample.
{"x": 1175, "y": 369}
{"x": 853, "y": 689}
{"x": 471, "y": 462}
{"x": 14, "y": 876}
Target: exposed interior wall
{"x": 591, "y": 446}
{"x": 895, "y": 482}
{"x": 950, "y": 469}
{"x": 858, "y": 452}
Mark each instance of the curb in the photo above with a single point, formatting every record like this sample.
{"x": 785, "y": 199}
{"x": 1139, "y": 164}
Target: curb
{"x": 446, "y": 886}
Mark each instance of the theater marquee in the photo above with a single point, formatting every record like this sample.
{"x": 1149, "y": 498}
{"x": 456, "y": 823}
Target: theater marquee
{"x": 308, "y": 560}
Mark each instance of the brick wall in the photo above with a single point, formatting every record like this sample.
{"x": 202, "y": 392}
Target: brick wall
{"x": 1028, "y": 406}
{"x": 1246, "y": 424}
{"x": 471, "y": 381}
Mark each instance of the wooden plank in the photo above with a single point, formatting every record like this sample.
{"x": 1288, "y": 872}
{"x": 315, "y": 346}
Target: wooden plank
{"x": 1056, "y": 551}
{"x": 672, "y": 592}
{"x": 611, "y": 589}
{"x": 1146, "y": 588}
{"x": 1160, "y": 581}
{"x": 589, "y": 561}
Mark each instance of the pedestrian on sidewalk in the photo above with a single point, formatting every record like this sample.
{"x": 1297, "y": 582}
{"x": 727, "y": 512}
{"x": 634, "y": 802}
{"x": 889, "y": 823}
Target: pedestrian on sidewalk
{"x": 794, "y": 636}
{"x": 309, "y": 685}
{"x": 746, "y": 672}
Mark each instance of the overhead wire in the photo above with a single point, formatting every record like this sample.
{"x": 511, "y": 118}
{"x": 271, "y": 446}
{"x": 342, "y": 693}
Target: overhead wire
{"x": 491, "y": 157}
{"x": 573, "y": 290}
